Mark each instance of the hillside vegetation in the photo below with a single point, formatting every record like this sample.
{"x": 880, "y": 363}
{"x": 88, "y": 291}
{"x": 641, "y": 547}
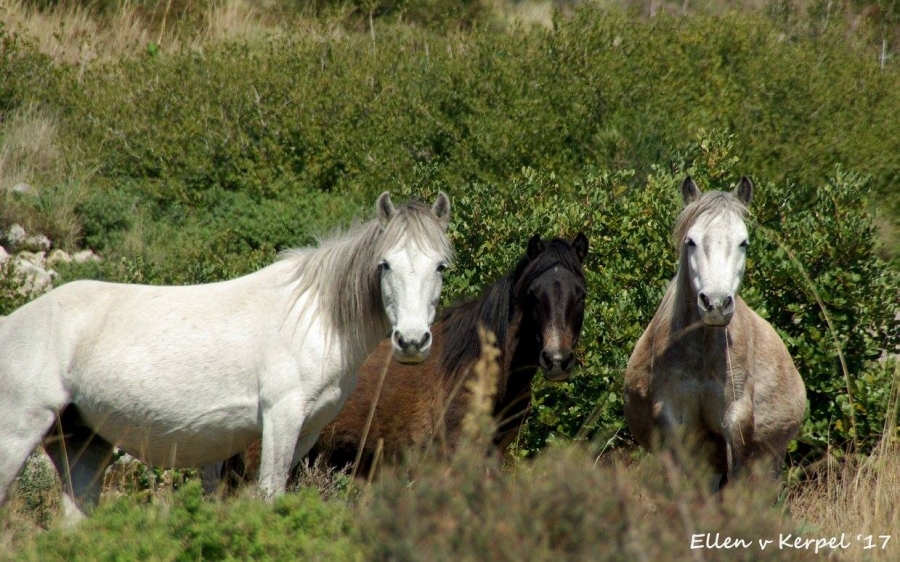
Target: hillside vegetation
{"x": 188, "y": 142}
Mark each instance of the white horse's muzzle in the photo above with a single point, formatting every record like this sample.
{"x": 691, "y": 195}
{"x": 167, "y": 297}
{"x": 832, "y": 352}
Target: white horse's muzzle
{"x": 410, "y": 346}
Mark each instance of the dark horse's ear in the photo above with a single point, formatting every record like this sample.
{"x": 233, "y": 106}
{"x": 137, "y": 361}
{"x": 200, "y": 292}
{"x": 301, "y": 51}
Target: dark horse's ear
{"x": 580, "y": 243}
{"x": 385, "y": 209}
{"x": 441, "y": 209}
{"x": 689, "y": 191}
{"x": 535, "y": 246}
{"x": 744, "y": 191}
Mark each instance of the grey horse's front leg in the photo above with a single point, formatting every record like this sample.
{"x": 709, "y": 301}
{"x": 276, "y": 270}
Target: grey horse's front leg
{"x": 739, "y": 438}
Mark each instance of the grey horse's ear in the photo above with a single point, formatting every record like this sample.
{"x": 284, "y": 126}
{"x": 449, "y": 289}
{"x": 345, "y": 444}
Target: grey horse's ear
{"x": 385, "y": 208}
{"x": 535, "y": 246}
{"x": 689, "y": 190}
{"x": 744, "y": 191}
{"x": 580, "y": 243}
{"x": 441, "y": 209}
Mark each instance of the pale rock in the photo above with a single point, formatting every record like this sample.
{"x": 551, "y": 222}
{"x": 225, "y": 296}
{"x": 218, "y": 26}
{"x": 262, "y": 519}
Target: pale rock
{"x": 14, "y": 237}
{"x": 23, "y": 188}
{"x": 35, "y": 258}
{"x": 35, "y": 280}
{"x": 57, "y": 257}
{"x": 85, "y": 256}
{"x": 37, "y": 243}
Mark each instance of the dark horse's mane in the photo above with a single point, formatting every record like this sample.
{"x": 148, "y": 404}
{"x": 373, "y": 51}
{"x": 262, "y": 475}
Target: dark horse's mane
{"x": 494, "y": 309}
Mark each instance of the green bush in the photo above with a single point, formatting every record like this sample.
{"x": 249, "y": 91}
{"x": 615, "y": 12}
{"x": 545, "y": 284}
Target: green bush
{"x": 202, "y": 164}
{"x": 809, "y": 243}
{"x": 294, "y": 526}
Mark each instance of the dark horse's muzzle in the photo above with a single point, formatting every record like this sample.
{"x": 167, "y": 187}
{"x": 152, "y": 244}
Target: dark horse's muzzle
{"x": 557, "y": 364}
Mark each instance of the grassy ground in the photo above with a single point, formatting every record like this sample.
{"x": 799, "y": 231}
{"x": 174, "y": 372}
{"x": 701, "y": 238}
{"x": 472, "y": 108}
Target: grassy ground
{"x": 571, "y": 502}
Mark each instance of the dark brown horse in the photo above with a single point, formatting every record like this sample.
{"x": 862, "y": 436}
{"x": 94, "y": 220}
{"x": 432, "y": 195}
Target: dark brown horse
{"x": 536, "y": 312}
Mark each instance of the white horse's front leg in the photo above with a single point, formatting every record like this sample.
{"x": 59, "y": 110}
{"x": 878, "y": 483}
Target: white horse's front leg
{"x": 303, "y": 446}
{"x": 281, "y": 430}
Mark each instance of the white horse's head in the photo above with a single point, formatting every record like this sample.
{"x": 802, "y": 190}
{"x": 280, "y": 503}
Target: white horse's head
{"x": 714, "y": 243}
{"x": 414, "y": 254}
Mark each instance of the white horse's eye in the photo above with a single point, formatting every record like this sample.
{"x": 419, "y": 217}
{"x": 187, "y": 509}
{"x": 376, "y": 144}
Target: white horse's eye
{"x": 384, "y": 265}
{"x": 690, "y": 242}
{"x": 442, "y": 267}
{"x": 745, "y": 243}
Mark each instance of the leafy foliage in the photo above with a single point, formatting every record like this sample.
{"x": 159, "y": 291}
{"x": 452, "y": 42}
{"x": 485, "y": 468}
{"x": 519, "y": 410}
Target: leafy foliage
{"x": 810, "y": 244}
{"x": 293, "y": 526}
{"x": 203, "y": 163}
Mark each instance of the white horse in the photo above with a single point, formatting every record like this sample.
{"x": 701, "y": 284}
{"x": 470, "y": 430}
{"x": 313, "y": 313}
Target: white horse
{"x": 190, "y": 375}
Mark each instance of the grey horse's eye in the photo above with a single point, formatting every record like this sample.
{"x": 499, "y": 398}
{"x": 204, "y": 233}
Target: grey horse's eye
{"x": 690, "y": 242}
{"x": 442, "y": 267}
{"x": 383, "y": 265}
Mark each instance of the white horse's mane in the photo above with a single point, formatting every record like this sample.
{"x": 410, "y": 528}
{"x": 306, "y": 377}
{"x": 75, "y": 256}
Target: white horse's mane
{"x": 343, "y": 270}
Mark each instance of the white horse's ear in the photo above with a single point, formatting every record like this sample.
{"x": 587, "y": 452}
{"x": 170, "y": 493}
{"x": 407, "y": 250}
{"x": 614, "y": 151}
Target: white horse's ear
{"x": 744, "y": 191}
{"x": 441, "y": 209}
{"x": 385, "y": 208}
{"x": 535, "y": 246}
{"x": 689, "y": 190}
{"x": 580, "y": 243}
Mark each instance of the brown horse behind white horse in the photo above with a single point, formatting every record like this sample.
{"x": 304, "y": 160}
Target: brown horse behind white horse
{"x": 709, "y": 372}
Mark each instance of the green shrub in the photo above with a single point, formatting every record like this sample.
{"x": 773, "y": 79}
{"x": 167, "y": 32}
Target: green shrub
{"x": 294, "y": 526}
{"x": 202, "y": 164}
{"x": 810, "y": 242}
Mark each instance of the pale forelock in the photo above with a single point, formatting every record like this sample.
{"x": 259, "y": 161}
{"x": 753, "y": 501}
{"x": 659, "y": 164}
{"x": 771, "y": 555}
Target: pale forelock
{"x": 415, "y": 223}
{"x": 710, "y": 205}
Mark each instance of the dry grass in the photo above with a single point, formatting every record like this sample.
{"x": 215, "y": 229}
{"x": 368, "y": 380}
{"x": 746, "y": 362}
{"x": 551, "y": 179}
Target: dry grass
{"x": 857, "y": 495}
{"x": 71, "y": 33}
{"x": 28, "y": 148}
{"x": 36, "y": 189}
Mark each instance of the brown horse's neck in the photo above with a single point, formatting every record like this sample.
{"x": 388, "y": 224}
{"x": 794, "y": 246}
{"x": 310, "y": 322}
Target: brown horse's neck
{"x": 459, "y": 325}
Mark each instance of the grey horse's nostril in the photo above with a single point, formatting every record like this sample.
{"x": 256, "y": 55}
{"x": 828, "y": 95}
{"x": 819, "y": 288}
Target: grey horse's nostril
{"x": 705, "y": 300}
{"x": 426, "y": 339}
{"x": 728, "y": 301}
{"x": 398, "y": 340}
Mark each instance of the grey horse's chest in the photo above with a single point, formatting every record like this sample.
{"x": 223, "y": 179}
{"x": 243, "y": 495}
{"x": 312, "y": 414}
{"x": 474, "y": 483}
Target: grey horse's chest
{"x": 694, "y": 400}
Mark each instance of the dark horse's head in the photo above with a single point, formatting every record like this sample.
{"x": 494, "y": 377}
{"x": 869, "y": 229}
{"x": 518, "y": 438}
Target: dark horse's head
{"x": 550, "y": 290}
